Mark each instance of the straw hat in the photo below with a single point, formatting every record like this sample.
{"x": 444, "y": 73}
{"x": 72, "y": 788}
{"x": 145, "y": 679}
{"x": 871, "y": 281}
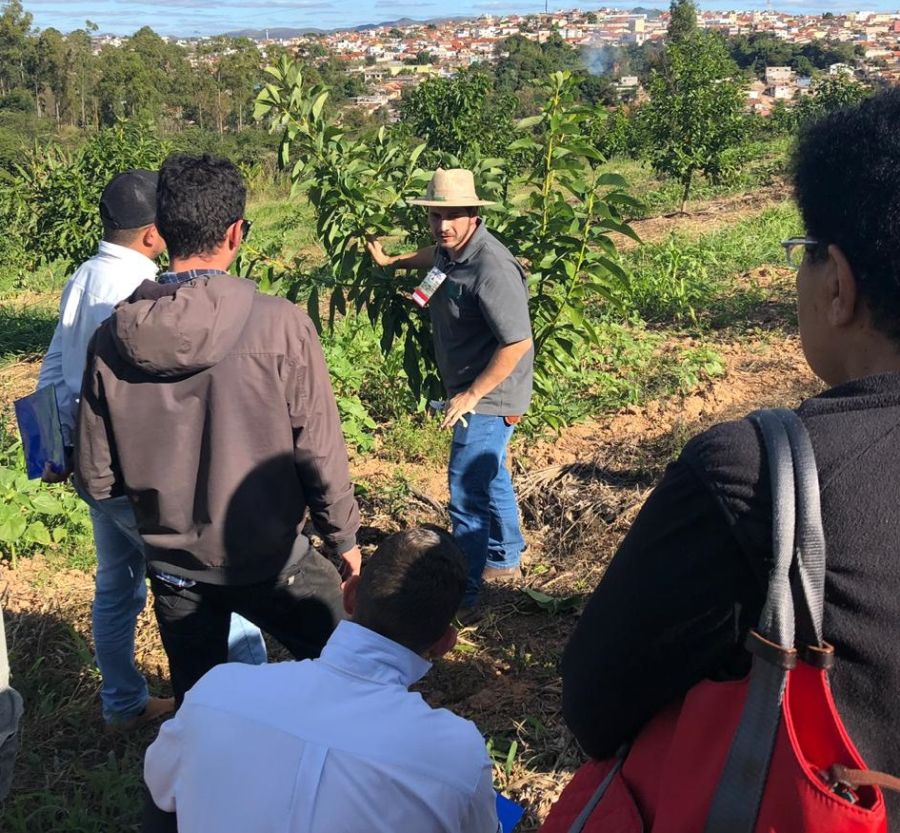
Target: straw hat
{"x": 453, "y": 188}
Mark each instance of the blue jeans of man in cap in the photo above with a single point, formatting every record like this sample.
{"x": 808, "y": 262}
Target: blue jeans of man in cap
{"x": 483, "y": 508}
{"x": 121, "y": 592}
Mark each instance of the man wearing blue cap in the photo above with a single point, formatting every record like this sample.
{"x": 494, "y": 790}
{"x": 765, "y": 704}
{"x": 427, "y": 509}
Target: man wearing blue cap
{"x": 124, "y": 259}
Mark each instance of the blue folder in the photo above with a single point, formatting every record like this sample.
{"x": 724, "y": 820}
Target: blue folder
{"x": 39, "y": 425}
{"x": 508, "y": 813}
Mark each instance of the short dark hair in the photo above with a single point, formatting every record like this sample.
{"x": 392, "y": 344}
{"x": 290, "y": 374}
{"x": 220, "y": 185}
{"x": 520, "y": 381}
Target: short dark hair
{"x": 847, "y": 182}
{"x": 198, "y": 198}
{"x": 411, "y": 587}
{"x": 123, "y": 236}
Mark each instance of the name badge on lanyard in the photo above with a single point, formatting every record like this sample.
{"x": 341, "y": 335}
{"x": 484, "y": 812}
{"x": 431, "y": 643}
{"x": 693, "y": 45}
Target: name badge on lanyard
{"x": 430, "y": 284}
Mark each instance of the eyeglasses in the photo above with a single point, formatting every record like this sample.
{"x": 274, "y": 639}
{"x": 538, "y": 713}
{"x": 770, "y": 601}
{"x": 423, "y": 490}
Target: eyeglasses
{"x": 796, "y": 249}
{"x": 246, "y": 225}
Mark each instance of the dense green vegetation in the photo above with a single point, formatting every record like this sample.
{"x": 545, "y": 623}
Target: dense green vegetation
{"x": 694, "y": 116}
{"x": 759, "y": 50}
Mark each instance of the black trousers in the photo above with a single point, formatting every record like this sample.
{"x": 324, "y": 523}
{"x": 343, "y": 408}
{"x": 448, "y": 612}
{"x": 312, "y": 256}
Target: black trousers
{"x": 156, "y": 820}
{"x": 300, "y": 611}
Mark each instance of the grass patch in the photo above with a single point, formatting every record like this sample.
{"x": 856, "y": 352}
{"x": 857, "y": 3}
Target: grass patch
{"x": 70, "y": 778}
{"x": 762, "y": 163}
{"x": 288, "y": 223}
{"x": 26, "y": 328}
{"x": 16, "y": 280}
{"x": 703, "y": 281}
{"x": 415, "y": 438}
{"x": 635, "y": 364}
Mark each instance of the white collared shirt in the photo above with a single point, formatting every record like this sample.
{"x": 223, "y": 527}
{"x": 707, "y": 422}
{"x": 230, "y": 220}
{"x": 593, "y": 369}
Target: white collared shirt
{"x": 88, "y": 299}
{"x": 333, "y": 745}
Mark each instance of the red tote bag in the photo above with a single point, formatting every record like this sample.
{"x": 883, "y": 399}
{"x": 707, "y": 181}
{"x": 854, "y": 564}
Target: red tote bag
{"x": 767, "y": 754}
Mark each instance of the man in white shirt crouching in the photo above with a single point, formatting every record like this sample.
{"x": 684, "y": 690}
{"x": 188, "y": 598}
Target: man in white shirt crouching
{"x": 336, "y": 744}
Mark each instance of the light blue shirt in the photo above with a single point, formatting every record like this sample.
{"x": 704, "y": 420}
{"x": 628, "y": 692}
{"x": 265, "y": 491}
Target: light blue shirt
{"x": 333, "y": 745}
{"x": 88, "y": 299}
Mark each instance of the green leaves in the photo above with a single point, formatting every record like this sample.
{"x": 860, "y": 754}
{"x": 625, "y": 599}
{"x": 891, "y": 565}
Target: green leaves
{"x": 562, "y": 230}
{"x": 530, "y": 121}
{"x": 552, "y": 604}
{"x": 357, "y": 187}
{"x": 12, "y": 524}
{"x": 34, "y": 515}
{"x": 460, "y": 116}
{"x": 58, "y": 191}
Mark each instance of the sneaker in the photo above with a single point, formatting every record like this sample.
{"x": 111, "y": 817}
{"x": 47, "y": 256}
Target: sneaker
{"x": 156, "y": 709}
{"x": 502, "y": 575}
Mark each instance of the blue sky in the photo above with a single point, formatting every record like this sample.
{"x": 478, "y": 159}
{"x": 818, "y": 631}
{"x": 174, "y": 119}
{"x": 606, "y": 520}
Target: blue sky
{"x": 194, "y": 17}
{"x": 190, "y": 17}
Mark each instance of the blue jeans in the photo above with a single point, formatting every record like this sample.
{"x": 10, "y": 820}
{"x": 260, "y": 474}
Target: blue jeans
{"x": 120, "y": 595}
{"x": 483, "y": 508}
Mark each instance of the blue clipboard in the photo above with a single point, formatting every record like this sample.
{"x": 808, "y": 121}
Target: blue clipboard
{"x": 41, "y": 431}
{"x": 509, "y": 814}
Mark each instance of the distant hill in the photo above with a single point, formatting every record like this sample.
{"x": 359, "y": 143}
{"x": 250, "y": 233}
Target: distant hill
{"x": 281, "y": 32}
{"x": 652, "y": 13}
{"x": 275, "y": 32}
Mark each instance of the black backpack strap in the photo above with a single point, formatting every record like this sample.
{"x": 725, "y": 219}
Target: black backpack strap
{"x": 797, "y": 548}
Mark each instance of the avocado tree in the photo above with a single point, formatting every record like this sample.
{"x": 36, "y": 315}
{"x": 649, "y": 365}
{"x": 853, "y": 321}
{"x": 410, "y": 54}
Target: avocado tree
{"x": 462, "y": 116}
{"x": 694, "y": 118}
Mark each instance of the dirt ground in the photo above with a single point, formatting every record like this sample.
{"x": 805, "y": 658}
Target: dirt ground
{"x": 703, "y": 217}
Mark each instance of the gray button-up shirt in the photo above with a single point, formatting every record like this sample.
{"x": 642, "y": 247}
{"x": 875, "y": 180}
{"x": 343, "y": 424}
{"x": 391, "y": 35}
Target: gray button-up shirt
{"x": 481, "y": 306}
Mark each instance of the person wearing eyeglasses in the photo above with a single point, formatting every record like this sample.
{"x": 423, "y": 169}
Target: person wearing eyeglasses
{"x": 690, "y": 578}
{"x": 208, "y": 404}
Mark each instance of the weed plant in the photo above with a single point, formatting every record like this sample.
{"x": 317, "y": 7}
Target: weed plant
{"x": 25, "y": 329}
{"x": 695, "y": 281}
{"x": 416, "y": 438}
{"x": 34, "y": 516}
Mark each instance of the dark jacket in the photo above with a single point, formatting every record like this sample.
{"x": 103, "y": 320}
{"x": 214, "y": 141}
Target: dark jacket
{"x": 210, "y": 406}
{"x": 690, "y": 577}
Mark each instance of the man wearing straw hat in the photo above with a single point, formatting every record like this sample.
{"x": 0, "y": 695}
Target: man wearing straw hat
{"x": 478, "y": 298}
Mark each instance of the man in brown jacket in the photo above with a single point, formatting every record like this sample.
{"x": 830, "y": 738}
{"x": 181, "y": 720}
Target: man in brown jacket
{"x": 209, "y": 405}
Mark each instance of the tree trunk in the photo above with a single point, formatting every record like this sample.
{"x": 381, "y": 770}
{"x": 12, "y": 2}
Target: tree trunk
{"x": 687, "y": 188}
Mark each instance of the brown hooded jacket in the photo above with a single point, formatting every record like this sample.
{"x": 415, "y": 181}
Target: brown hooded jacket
{"x": 210, "y": 406}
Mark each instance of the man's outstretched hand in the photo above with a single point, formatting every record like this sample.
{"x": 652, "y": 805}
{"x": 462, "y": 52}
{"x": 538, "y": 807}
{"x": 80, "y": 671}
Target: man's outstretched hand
{"x": 377, "y": 253}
